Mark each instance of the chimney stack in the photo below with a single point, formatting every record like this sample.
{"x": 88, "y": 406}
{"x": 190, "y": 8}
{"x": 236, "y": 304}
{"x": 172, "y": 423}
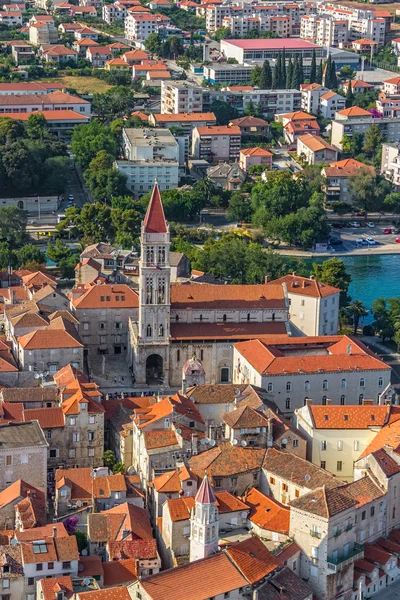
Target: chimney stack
{"x": 54, "y": 531}
{"x": 267, "y": 278}
{"x": 184, "y": 387}
{"x": 328, "y": 401}
{"x": 367, "y": 402}
{"x": 308, "y": 401}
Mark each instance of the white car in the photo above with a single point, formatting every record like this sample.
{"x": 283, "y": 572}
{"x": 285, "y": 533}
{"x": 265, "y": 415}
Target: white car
{"x": 371, "y": 241}
{"x": 370, "y": 224}
{"x": 355, "y": 224}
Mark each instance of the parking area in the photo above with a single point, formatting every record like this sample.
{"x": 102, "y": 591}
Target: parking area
{"x": 367, "y": 236}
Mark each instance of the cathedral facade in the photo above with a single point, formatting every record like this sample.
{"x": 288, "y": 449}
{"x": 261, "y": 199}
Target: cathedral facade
{"x": 178, "y": 321}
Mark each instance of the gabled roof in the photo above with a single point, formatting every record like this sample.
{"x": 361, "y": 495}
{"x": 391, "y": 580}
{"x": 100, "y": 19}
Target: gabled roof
{"x": 121, "y": 572}
{"x": 136, "y": 549}
{"x": 348, "y": 167}
{"x": 253, "y": 559}
{"x": 267, "y": 513}
{"x": 107, "y": 296}
{"x": 226, "y": 296}
{"x": 32, "y": 511}
{"x": 244, "y": 417}
{"x": 18, "y": 490}
{"x": 315, "y": 143}
{"x": 324, "y": 502}
{"x": 249, "y": 121}
{"x": 123, "y": 522}
{"x": 353, "y": 417}
{"x": 44, "y": 339}
{"x": 154, "y": 220}
{"x": 257, "y": 151}
{"x": 354, "y": 111}
{"x": 363, "y": 491}
{"x": 52, "y": 585}
{"x": 225, "y": 460}
{"x": 171, "y": 481}
{"x": 290, "y": 467}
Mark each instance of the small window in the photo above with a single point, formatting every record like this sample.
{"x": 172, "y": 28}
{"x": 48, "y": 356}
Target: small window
{"x": 66, "y": 564}
{"x": 362, "y": 382}
{"x": 295, "y": 443}
{"x": 224, "y": 318}
{"x": 323, "y": 464}
{"x": 270, "y": 387}
{"x": 356, "y": 445}
{"x": 325, "y": 384}
{"x": 39, "y": 567}
{"x": 360, "y": 399}
{"x": 340, "y": 445}
{"x": 306, "y": 385}
{"x": 323, "y": 445}
{"x": 272, "y": 480}
{"x": 288, "y": 386}
{"x": 339, "y": 465}
{"x": 324, "y": 399}
{"x": 50, "y": 566}
{"x": 178, "y": 355}
{"x": 287, "y": 403}
{"x": 342, "y": 400}
{"x": 380, "y": 381}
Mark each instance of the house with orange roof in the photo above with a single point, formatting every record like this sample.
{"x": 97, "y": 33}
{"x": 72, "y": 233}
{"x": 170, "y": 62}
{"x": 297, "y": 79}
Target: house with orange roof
{"x": 176, "y": 521}
{"x": 310, "y": 95}
{"x": 391, "y": 87}
{"x": 329, "y": 103}
{"x": 103, "y": 312}
{"x": 314, "y": 149}
{"x": 98, "y": 55}
{"x": 11, "y": 496}
{"x": 58, "y": 54}
{"x": 249, "y": 125}
{"x": 216, "y": 143}
{"x": 171, "y": 484}
{"x": 314, "y": 306}
{"x": 337, "y": 176}
{"x": 139, "y": 24}
{"x": 86, "y": 33}
{"x": 82, "y": 45}
{"x": 364, "y": 45}
{"x": 358, "y": 86}
{"x": 249, "y": 157}
{"x": 117, "y": 64}
{"x": 317, "y": 367}
{"x": 186, "y": 122}
{"x": 338, "y": 435}
{"x": 268, "y": 518}
{"x": 357, "y": 120}
{"x": 135, "y": 57}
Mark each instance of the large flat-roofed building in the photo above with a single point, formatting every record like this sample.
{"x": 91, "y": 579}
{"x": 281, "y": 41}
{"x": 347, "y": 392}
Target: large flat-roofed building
{"x": 227, "y": 73}
{"x": 180, "y": 97}
{"x": 265, "y": 49}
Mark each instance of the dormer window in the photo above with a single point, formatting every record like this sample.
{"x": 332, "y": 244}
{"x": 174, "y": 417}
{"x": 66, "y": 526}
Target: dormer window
{"x": 39, "y": 547}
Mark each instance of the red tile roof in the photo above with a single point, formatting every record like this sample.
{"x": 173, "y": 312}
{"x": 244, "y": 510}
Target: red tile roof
{"x": 136, "y": 549}
{"x": 48, "y": 418}
{"x": 364, "y": 490}
{"x": 52, "y": 585}
{"x": 107, "y": 296}
{"x": 353, "y": 417}
{"x": 267, "y": 513}
{"x": 154, "y": 220}
{"x": 114, "y": 593}
{"x": 121, "y": 572}
{"x": 225, "y": 460}
{"x": 324, "y": 502}
{"x": 387, "y": 436}
{"x": 218, "y": 130}
{"x": 304, "y": 286}
{"x": 346, "y": 168}
{"x": 253, "y": 559}
{"x": 44, "y": 339}
{"x": 196, "y": 296}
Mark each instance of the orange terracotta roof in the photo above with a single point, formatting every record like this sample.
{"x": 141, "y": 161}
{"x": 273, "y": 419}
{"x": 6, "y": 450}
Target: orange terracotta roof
{"x": 121, "y": 572}
{"x": 225, "y": 460}
{"x": 299, "y": 115}
{"x": 226, "y": 296}
{"x": 354, "y": 111}
{"x": 218, "y": 130}
{"x": 159, "y": 438}
{"x": 268, "y": 356}
{"x": 364, "y": 490}
{"x": 353, "y": 417}
{"x": 245, "y": 417}
{"x": 253, "y": 559}
{"x": 48, "y": 418}
{"x": 255, "y": 152}
{"x": 324, "y": 502}
{"x": 107, "y": 296}
{"x": 51, "y": 585}
{"x": 136, "y": 549}
{"x": 184, "y": 117}
{"x": 46, "y": 339}
{"x": 365, "y": 42}
{"x": 387, "y": 436}
{"x": 18, "y": 489}
{"x": 346, "y": 168}
{"x": 304, "y": 286}
{"x": 114, "y": 593}
{"x": 171, "y": 481}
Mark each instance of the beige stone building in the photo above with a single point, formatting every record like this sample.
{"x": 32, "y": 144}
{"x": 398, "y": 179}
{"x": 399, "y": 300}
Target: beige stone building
{"x": 23, "y": 454}
{"x": 315, "y": 150}
{"x": 170, "y": 485}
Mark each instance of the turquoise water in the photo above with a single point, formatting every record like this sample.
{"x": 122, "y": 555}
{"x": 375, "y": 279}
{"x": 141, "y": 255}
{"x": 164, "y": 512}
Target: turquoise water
{"x": 372, "y": 277}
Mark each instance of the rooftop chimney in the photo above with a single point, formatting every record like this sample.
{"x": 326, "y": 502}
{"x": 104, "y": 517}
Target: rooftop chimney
{"x": 328, "y": 401}
{"x": 367, "y": 402}
{"x": 308, "y": 401}
{"x": 54, "y": 531}
{"x": 267, "y": 278}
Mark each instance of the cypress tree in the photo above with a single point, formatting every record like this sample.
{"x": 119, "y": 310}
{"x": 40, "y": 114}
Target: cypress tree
{"x": 293, "y": 81}
{"x": 313, "y": 68}
{"x": 349, "y": 96}
{"x": 283, "y": 67}
{"x": 274, "y": 76}
{"x": 301, "y": 69}
{"x": 289, "y": 74}
{"x": 320, "y": 72}
{"x": 328, "y": 73}
{"x": 266, "y": 76}
{"x": 297, "y": 75}
{"x": 279, "y": 72}
{"x": 333, "y": 76}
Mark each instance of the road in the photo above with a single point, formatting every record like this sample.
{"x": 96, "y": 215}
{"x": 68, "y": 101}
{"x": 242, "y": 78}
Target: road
{"x": 351, "y": 239}
{"x": 281, "y": 160}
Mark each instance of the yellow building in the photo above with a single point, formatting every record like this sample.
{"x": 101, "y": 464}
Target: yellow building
{"x": 338, "y": 435}
{"x": 117, "y": 64}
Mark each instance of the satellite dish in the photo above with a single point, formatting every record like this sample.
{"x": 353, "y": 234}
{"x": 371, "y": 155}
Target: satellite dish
{"x": 14, "y": 542}
{"x": 93, "y": 475}
{"x": 270, "y": 444}
{"x": 179, "y": 431}
{"x": 84, "y": 552}
{"x": 243, "y": 443}
{"x": 86, "y": 581}
{"x": 206, "y": 440}
{"x": 78, "y": 503}
{"x": 235, "y": 442}
{"x": 36, "y": 376}
{"x": 244, "y": 514}
{"x": 203, "y": 442}
{"x": 307, "y": 477}
{"x": 284, "y": 441}
{"x": 212, "y": 443}
{"x": 131, "y": 471}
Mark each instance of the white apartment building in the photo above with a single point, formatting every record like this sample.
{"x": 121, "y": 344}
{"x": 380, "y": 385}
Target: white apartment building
{"x": 324, "y": 30}
{"x": 361, "y": 23}
{"x": 111, "y": 12}
{"x": 294, "y": 369}
{"x": 310, "y": 95}
{"x": 150, "y": 154}
{"x": 390, "y": 164}
{"x": 314, "y": 306}
{"x": 269, "y": 101}
{"x": 389, "y": 126}
{"x": 391, "y": 87}
{"x": 138, "y": 26}
{"x": 11, "y": 19}
{"x": 330, "y": 103}
{"x": 181, "y": 97}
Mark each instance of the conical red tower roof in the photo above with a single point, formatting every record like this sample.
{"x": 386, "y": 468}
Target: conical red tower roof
{"x": 205, "y": 495}
{"x": 154, "y": 221}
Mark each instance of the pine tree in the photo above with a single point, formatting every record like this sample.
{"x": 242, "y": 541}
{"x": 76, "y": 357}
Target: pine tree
{"x": 333, "y": 76}
{"x": 289, "y": 74}
{"x": 320, "y": 72}
{"x": 313, "y": 68}
{"x": 266, "y": 76}
{"x": 349, "y": 96}
{"x": 301, "y": 69}
{"x": 283, "y": 67}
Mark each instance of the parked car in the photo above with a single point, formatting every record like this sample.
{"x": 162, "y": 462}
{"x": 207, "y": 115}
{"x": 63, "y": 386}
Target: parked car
{"x": 359, "y": 242}
{"x": 71, "y": 198}
{"x": 335, "y": 241}
{"x": 371, "y": 241}
{"x": 387, "y": 231}
{"x": 360, "y": 213}
{"x": 355, "y": 224}
{"x": 370, "y": 224}
{"x": 398, "y": 240}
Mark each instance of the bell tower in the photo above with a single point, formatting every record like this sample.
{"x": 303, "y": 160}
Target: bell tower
{"x": 152, "y": 342}
{"x": 204, "y": 523}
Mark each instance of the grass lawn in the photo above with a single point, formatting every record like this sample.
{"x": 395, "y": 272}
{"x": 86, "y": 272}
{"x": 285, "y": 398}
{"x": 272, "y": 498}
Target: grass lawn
{"x": 85, "y": 85}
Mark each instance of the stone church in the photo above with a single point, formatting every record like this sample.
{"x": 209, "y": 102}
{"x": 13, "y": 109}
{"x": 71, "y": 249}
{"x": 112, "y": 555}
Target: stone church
{"x": 177, "y": 321}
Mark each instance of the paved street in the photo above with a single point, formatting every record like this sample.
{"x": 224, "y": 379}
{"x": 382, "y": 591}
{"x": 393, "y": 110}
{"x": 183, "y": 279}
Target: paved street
{"x": 390, "y": 593}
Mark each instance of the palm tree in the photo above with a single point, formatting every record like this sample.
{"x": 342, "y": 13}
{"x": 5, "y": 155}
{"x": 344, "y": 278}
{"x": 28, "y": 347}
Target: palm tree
{"x": 356, "y": 310}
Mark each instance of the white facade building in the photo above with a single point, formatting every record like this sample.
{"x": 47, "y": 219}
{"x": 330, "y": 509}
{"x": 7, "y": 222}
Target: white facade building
{"x": 138, "y": 26}
{"x": 179, "y": 97}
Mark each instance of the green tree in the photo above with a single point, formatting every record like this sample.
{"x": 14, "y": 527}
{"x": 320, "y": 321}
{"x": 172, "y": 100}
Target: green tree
{"x": 296, "y": 81}
{"x": 13, "y": 226}
{"x": 88, "y": 140}
{"x": 320, "y": 73}
{"x": 383, "y": 323}
{"x": 289, "y": 74}
{"x": 224, "y": 113}
{"x": 356, "y": 310}
{"x": 223, "y": 33}
{"x": 255, "y": 76}
{"x": 29, "y": 253}
{"x": 333, "y": 272}
{"x": 240, "y": 209}
{"x": 119, "y": 467}
{"x": 266, "y": 76}
{"x": 81, "y": 540}
{"x": 372, "y": 139}
{"x": 363, "y": 188}
{"x": 392, "y": 201}
{"x": 349, "y": 96}
{"x": 153, "y": 43}
{"x": 109, "y": 459}
{"x": 328, "y": 73}
{"x": 313, "y": 68}
{"x": 36, "y": 126}
{"x": 103, "y": 180}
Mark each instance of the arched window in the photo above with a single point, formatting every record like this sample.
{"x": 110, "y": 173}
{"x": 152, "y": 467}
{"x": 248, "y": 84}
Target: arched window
{"x": 324, "y": 400}
{"x": 288, "y": 386}
{"x": 342, "y": 400}
{"x": 177, "y": 318}
{"x": 161, "y": 331}
{"x": 149, "y": 291}
{"x": 325, "y": 384}
{"x": 20, "y": 204}
{"x": 270, "y": 387}
{"x": 248, "y": 316}
{"x": 148, "y": 331}
{"x": 380, "y": 381}
{"x": 360, "y": 398}
{"x": 306, "y": 385}
{"x": 273, "y": 316}
{"x": 201, "y": 317}
{"x": 343, "y": 383}
{"x": 362, "y": 382}
{"x": 161, "y": 291}
{"x": 224, "y": 317}
{"x": 161, "y": 255}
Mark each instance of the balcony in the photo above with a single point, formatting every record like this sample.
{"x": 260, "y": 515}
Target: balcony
{"x": 337, "y": 564}
{"x": 315, "y": 534}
